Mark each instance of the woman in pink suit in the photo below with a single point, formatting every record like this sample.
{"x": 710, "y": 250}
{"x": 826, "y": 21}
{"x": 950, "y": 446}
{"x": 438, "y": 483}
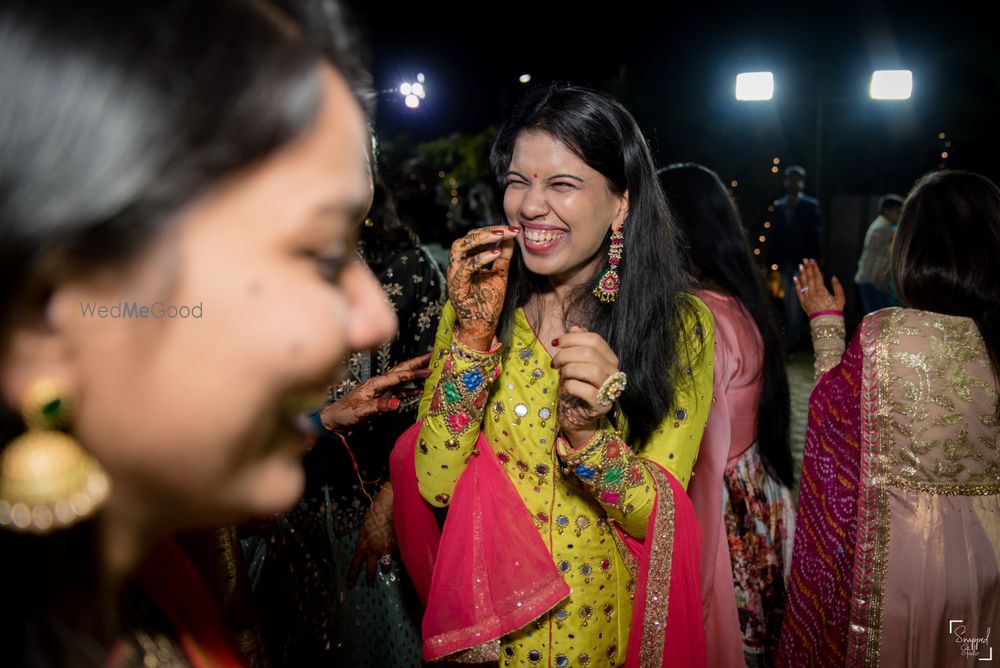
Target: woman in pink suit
{"x": 743, "y": 474}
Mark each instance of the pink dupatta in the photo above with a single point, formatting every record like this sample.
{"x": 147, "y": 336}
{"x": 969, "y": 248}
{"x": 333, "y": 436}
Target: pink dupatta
{"x": 477, "y": 588}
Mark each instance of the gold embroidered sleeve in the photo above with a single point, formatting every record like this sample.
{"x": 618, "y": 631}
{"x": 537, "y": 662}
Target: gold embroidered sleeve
{"x": 828, "y": 335}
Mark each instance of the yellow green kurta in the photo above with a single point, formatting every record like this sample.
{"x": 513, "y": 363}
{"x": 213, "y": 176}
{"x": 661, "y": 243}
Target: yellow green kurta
{"x": 591, "y": 626}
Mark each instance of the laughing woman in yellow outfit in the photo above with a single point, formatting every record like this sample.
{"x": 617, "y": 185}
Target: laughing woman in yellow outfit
{"x": 571, "y": 343}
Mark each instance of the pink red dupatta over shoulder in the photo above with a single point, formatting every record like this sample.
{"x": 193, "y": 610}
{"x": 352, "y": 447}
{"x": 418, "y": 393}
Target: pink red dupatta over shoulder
{"x": 488, "y": 573}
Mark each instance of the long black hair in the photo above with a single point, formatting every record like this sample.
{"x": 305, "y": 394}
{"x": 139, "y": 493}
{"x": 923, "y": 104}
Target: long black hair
{"x": 114, "y": 117}
{"x": 644, "y": 326}
{"x": 944, "y": 256}
{"x": 719, "y": 252}
{"x": 384, "y": 234}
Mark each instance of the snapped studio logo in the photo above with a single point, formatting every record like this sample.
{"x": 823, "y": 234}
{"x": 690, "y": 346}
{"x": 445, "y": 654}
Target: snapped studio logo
{"x": 977, "y": 647}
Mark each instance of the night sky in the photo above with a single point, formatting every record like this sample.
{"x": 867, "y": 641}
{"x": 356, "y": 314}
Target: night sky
{"x": 674, "y": 67}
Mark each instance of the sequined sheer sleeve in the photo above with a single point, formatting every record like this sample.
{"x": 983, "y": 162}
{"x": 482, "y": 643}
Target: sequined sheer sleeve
{"x": 452, "y": 408}
{"x": 828, "y": 335}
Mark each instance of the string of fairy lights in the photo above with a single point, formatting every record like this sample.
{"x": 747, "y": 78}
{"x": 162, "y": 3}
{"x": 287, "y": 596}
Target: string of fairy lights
{"x": 762, "y": 237}
{"x": 945, "y": 150}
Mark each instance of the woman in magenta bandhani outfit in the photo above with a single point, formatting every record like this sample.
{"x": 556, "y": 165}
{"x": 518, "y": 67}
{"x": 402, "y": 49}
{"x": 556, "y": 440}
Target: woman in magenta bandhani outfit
{"x": 897, "y": 546}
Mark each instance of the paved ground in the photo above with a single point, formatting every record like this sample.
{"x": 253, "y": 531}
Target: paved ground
{"x": 800, "y": 381}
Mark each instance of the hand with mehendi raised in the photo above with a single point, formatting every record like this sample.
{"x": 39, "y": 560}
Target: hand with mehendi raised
{"x": 477, "y": 293}
{"x": 584, "y": 360}
{"x": 378, "y": 394}
{"x": 812, "y": 293}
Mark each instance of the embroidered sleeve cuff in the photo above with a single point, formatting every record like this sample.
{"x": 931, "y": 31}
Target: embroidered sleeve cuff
{"x": 605, "y": 465}
{"x": 464, "y": 387}
{"x": 460, "y": 350}
{"x": 828, "y": 334}
{"x": 565, "y": 449}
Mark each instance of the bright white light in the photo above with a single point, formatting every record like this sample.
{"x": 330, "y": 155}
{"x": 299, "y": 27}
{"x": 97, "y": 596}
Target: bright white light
{"x": 418, "y": 90}
{"x": 412, "y": 101}
{"x": 891, "y": 85}
{"x": 525, "y": 78}
{"x": 420, "y": 77}
{"x": 406, "y": 88}
{"x": 754, "y": 86}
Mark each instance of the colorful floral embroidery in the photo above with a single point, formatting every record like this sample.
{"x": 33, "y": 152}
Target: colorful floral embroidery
{"x": 606, "y": 466}
{"x": 461, "y": 398}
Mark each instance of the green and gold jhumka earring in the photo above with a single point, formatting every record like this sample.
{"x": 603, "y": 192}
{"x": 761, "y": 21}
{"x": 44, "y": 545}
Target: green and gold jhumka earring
{"x": 48, "y": 481}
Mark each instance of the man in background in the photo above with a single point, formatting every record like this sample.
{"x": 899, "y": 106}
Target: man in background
{"x": 795, "y": 235}
{"x": 873, "y": 278}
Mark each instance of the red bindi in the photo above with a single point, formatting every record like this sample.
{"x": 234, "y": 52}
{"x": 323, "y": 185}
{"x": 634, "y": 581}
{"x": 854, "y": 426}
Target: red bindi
{"x": 535, "y": 175}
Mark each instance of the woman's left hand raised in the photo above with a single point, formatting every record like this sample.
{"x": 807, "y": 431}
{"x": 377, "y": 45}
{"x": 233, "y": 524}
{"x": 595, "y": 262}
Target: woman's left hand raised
{"x": 811, "y": 291}
{"x": 584, "y": 361}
